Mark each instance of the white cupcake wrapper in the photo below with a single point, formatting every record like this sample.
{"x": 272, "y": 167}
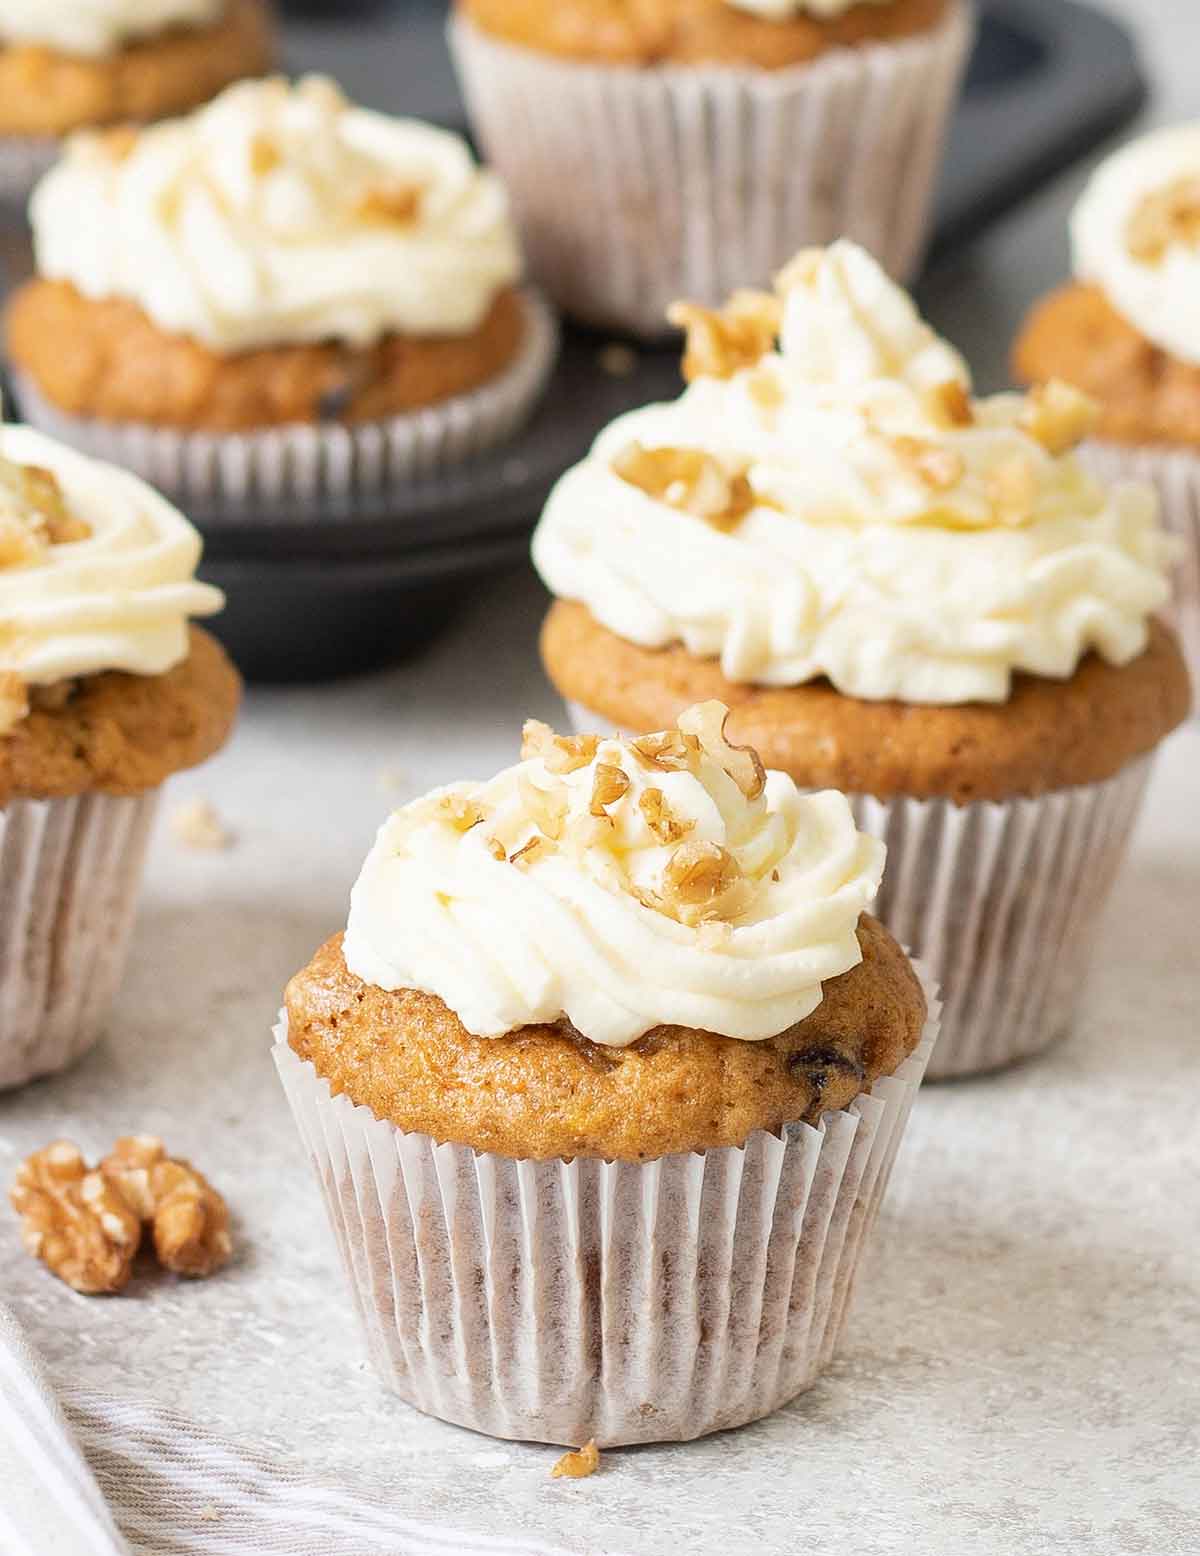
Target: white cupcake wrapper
{"x": 637, "y": 186}
{"x": 1000, "y": 901}
{"x": 315, "y": 463}
{"x": 1175, "y": 475}
{"x": 559, "y": 1301}
{"x": 23, "y": 161}
{"x": 69, "y": 876}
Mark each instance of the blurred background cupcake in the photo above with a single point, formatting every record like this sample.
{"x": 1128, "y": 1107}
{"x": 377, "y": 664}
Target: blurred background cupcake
{"x": 74, "y": 64}
{"x": 105, "y": 691}
{"x": 1127, "y": 331}
{"x": 280, "y": 296}
{"x": 685, "y": 148}
{"x": 902, "y": 592}
{"x": 603, "y": 1086}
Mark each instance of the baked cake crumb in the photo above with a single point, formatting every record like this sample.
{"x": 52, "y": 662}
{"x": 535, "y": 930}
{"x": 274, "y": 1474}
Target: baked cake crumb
{"x": 197, "y": 825}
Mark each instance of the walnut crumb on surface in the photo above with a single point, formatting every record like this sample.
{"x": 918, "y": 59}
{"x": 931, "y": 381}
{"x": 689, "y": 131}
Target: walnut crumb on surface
{"x": 617, "y": 360}
{"x": 578, "y": 1465}
{"x": 197, "y": 825}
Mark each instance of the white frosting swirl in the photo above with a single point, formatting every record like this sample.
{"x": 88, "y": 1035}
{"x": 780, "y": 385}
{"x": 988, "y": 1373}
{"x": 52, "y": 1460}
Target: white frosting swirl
{"x": 786, "y": 10}
{"x": 96, "y": 27}
{"x": 1151, "y": 187}
{"x": 886, "y": 547}
{"x": 507, "y": 945}
{"x": 280, "y": 215}
{"x": 119, "y": 599}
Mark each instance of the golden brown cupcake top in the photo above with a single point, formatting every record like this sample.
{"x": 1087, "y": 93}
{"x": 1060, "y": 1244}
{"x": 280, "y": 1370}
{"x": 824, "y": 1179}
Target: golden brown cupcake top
{"x": 766, "y": 34}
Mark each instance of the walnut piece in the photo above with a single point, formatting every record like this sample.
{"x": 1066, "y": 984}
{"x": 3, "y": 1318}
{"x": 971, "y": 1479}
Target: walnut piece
{"x": 722, "y": 341}
{"x": 578, "y": 1465}
{"x": 546, "y": 807}
{"x": 949, "y": 404}
{"x": 1012, "y": 490}
{"x": 706, "y": 721}
{"x": 536, "y": 848}
{"x": 197, "y": 825}
{"x": 610, "y": 784}
{"x": 704, "y": 485}
{"x": 1058, "y": 416}
{"x": 670, "y": 750}
{"x": 666, "y": 826}
{"x": 1168, "y": 216}
{"x": 702, "y": 881}
{"x": 33, "y": 515}
{"x": 561, "y": 753}
{"x": 188, "y": 1219}
{"x": 395, "y": 203}
{"x": 75, "y": 1221}
{"x": 937, "y": 468}
{"x": 459, "y": 811}
{"x": 265, "y": 156}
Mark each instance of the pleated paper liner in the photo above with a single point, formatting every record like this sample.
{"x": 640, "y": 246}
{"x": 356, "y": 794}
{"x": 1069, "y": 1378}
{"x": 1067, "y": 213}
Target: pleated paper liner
{"x": 69, "y": 876}
{"x": 1175, "y": 475}
{"x": 631, "y": 1302}
{"x": 310, "y": 463}
{"x": 999, "y": 900}
{"x": 637, "y": 186}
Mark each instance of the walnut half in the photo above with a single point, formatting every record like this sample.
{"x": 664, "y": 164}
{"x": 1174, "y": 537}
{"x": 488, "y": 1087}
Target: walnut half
{"x": 188, "y": 1219}
{"x": 75, "y": 1221}
{"x": 722, "y": 341}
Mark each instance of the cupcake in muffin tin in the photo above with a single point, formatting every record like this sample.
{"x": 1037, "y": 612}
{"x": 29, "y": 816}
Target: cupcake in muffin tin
{"x": 67, "y": 65}
{"x": 902, "y": 592}
{"x": 105, "y": 691}
{"x": 603, "y": 1085}
{"x": 685, "y": 147}
{"x": 280, "y": 297}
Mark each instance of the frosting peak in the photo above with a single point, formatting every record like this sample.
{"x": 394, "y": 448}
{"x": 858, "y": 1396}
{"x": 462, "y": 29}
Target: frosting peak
{"x": 621, "y": 884}
{"x": 94, "y": 27}
{"x": 277, "y": 215}
{"x": 841, "y": 505}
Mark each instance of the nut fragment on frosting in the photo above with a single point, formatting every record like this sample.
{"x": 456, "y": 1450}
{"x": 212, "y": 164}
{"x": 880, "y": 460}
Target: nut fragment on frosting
{"x": 667, "y": 880}
{"x": 280, "y": 214}
{"x": 1135, "y": 234}
{"x": 840, "y": 504}
{"x": 96, "y": 27}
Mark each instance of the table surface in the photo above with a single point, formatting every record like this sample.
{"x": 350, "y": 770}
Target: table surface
{"x": 1016, "y": 1376}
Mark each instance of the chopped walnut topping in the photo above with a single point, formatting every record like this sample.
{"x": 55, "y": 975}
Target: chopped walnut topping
{"x": 547, "y": 807}
{"x": 577, "y": 1466}
{"x": 265, "y": 156}
{"x": 561, "y": 753}
{"x": 120, "y": 141}
{"x": 938, "y": 468}
{"x": 397, "y": 203}
{"x": 1168, "y": 216}
{"x": 764, "y": 389}
{"x": 661, "y": 819}
{"x": 198, "y": 825}
{"x": 701, "y": 882}
{"x": 1012, "y": 489}
{"x": 76, "y": 1222}
{"x": 496, "y": 848}
{"x": 950, "y": 405}
{"x": 610, "y": 784}
{"x": 670, "y": 750}
{"x": 14, "y": 701}
{"x": 188, "y": 1219}
{"x": 1058, "y": 416}
{"x": 536, "y": 848}
{"x": 722, "y": 341}
{"x": 691, "y": 480}
{"x": 460, "y": 811}
{"x": 707, "y": 722}
{"x": 33, "y": 514}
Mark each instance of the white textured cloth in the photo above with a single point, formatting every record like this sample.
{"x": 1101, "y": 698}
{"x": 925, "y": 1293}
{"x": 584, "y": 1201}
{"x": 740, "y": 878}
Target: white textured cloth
{"x": 174, "y": 1489}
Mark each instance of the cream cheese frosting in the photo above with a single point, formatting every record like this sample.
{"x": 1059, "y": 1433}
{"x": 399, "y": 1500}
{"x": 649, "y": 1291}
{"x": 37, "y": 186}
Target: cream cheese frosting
{"x": 281, "y": 215}
{"x": 786, "y": 10}
{"x": 842, "y": 507}
{"x": 1135, "y": 233}
{"x": 97, "y": 27}
{"x": 118, "y": 596}
{"x": 621, "y": 884}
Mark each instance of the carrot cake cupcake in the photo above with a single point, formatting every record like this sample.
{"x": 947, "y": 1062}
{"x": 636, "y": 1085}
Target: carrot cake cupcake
{"x": 105, "y": 690}
{"x": 902, "y": 592}
{"x": 73, "y": 64}
{"x": 279, "y": 296}
{"x": 1125, "y": 330}
{"x": 684, "y": 147}
{"x": 603, "y": 1085}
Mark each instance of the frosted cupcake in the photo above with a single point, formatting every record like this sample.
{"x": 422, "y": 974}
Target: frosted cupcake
{"x": 902, "y": 592}
{"x": 685, "y": 147}
{"x": 1126, "y": 331}
{"x": 105, "y": 691}
{"x": 280, "y": 296}
{"x": 603, "y": 1086}
{"x": 74, "y": 64}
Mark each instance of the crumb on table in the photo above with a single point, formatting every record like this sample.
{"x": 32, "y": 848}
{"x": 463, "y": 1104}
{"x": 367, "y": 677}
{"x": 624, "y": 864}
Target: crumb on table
{"x": 578, "y": 1465}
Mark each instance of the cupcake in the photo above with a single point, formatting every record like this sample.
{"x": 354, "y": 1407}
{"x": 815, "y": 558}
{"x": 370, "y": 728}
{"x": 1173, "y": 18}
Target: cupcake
{"x": 67, "y": 65}
{"x": 105, "y": 690}
{"x": 1125, "y": 331}
{"x": 603, "y": 1085}
{"x": 685, "y": 147}
{"x": 279, "y": 297}
{"x": 902, "y": 592}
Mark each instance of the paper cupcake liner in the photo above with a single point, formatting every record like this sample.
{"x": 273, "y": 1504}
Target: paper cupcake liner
{"x": 999, "y": 900}
{"x": 314, "y": 463}
{"x": 69, "y": 875}
{"x": 23, "y": 161}
{"x": 1175, "y": 475}
{"x": 637, "y": 186}
{"x": 559, "y": 1301}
